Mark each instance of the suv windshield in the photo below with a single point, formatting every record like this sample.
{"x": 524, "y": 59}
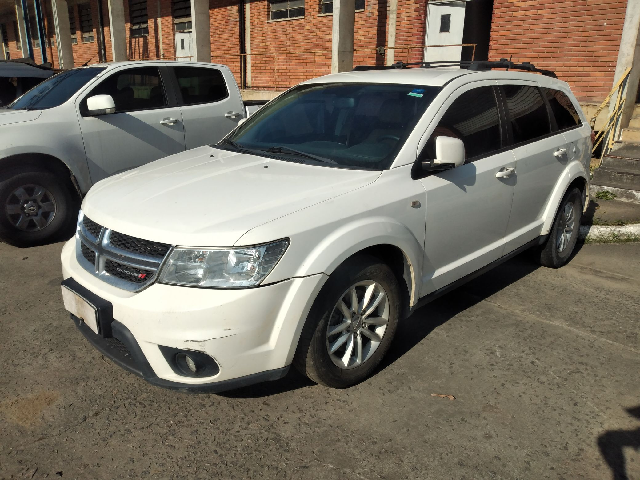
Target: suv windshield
{"x": 56, "y": 90}
{"x": 351, "y": 125}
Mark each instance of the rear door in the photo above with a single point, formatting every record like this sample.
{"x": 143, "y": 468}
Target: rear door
{"x": 146, "y": 126}
{"x": 210, "y": 103}
{"x": 541, "y": 156}
{"x": 467, "y": 208}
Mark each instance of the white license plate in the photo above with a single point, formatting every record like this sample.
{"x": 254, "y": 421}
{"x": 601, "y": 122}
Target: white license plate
{"x": 79, "y": 307}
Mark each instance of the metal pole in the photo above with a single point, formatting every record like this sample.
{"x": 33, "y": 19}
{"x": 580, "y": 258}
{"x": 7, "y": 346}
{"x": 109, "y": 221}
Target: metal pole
{"x": 41, "y": 35}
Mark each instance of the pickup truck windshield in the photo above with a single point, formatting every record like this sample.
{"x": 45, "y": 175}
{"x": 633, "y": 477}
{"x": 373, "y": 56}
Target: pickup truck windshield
{"x": 56, "y": 90}
{"x": 352, "y": 125}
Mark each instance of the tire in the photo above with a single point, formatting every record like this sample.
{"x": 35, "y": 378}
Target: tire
{"x": 36, "y": 207}
{"x": 313, "y": 357}
{"x": 564, "y": 233}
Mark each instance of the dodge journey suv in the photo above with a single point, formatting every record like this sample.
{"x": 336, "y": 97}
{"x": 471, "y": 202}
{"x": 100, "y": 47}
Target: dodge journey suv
{"x": 307, "y": 233}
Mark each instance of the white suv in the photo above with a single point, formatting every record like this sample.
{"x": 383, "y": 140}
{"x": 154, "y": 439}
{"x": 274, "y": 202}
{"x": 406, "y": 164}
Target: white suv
{"x": 307, "y": 233}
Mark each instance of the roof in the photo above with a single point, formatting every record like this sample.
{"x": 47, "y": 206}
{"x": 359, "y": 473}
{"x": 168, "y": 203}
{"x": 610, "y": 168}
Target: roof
{"x": 436, "y": 77}
{"x": 9, "y": 69}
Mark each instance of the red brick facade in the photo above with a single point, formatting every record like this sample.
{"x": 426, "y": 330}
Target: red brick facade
{"x": 578, "y": 39}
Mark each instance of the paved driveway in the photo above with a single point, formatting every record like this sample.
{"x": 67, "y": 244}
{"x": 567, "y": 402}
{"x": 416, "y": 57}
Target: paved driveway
{"x": 544, "y": 366}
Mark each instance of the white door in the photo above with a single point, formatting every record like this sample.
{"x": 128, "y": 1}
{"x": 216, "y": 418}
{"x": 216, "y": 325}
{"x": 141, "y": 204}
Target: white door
{"x": 143, "y": 128}
{"x": 445, "y": 26}
{"x": 467, "y": 208}
{"x": 184, "y": 44}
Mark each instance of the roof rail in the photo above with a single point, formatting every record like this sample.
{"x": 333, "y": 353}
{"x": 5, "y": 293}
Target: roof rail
{"x": 475, "y": 65}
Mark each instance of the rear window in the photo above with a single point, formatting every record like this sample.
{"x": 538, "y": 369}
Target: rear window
{"x": 201, "y": 85}
{"x": 562, "y": 108}
{"x": 527, "y": 113}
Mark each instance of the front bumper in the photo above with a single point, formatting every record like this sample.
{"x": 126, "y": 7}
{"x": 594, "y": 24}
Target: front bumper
{"x": 250, "y": 333}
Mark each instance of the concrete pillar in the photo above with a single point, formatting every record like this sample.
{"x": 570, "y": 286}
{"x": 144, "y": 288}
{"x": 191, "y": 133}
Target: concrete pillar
{"x": 25, "y": 37}
{"x": 344, "y": 16}
{"x": 629, "y": 56}
{"x": 118, "y": 30}
{"x": 391, "y": 30}
{"x": 200, "y": 28}
{"x": 60, "y": 11}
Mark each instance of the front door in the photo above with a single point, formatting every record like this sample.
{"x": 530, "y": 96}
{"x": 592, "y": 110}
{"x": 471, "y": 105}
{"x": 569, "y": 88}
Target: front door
{"x": 467, "y": 208}
{"x": 184, "y": 46}
{"x": 143, "y": 128}
{"x": 445, "y": 26}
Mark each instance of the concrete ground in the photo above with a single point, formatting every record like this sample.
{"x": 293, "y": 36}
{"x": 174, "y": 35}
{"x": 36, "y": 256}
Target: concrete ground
{"x": 611, "y": 212}
{"x": 544, "y": 367}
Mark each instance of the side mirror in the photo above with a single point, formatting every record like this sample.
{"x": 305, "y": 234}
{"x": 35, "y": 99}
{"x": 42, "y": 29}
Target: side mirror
{"x": 449, "y": 155}
{"x": 100, "y": 105}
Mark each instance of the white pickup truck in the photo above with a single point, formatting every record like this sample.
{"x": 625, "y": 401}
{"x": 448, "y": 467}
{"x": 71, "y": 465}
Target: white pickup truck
{"x": 86, "y": 124}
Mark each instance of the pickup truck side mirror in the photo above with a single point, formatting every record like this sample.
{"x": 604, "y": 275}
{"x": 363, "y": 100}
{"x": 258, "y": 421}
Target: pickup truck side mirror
{"x": 449, "y": 154}
{"x": 100, "y": 105}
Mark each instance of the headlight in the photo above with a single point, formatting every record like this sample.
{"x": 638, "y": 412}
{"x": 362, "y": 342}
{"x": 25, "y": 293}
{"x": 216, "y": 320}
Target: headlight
{"x": 222, "y": 268}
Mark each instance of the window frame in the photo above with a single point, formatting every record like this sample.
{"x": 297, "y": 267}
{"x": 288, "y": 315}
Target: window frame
{"x": 504, "y": 134}
{"x": 321, "y": 4}
{"x": 288, "y": 9}
{"x": 550, "y": 116}
{"x": 178, "y": 93}
{"x": 166, "y": 88}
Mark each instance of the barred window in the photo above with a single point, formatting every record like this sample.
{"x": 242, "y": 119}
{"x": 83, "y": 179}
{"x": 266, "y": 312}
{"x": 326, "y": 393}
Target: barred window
{"x": 283, "y": 9}
{"x": 139, "y": 18}
{"x": 326, "y": 6}
{"x": 86, "y": 22}
{"x": 181, "y": 8}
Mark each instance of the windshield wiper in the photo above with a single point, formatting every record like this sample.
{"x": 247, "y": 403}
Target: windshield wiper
{"x": 235, "y": 145}
{"x": 298, "y": 152}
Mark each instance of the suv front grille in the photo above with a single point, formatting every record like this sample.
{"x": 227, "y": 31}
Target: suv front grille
{"x": 118, "y": 259}
{"x": 138, "y": 245}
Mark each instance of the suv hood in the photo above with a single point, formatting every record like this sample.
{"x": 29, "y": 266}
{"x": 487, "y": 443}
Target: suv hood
{"x": 17, "y": 116}
{"x": 211, "y": 197}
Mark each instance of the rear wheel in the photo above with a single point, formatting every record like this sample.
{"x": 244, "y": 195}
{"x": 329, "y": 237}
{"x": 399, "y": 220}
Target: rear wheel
{"x": 564, "y": 233}
{"x": 36, "y": 207}
{"x": 351, "y": 324}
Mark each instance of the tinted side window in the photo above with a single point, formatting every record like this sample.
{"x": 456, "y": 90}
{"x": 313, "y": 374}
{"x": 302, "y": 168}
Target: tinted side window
{"x": 201, "y": 85}
{"x": 563, "y": 109}
{"x": 528, "y": 113}
{"x": 473, "y": 118}
{"x": 134, "y": 89}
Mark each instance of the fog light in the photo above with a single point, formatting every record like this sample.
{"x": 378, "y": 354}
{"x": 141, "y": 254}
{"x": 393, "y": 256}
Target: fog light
{"x": 191, "y": 365}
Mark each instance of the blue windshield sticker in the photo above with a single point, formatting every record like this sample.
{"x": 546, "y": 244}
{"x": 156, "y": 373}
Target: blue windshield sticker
{"x": 416, "y": 92}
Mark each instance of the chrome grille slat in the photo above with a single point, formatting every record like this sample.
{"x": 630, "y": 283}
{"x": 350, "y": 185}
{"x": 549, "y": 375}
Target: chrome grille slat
{"x": 129, "y": 270}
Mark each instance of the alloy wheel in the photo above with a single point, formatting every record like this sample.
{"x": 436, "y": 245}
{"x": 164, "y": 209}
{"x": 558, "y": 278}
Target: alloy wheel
{"x": 567, "y": 226}
{"x": 30, "y": 208}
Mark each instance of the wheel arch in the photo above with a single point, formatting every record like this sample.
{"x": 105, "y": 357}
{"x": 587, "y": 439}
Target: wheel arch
{"x": 574, "y": 176}
{"x": 43, "y": 161}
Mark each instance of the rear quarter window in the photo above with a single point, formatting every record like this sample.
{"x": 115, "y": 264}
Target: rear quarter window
{"x": 562, "y": 108}
{"x": 527, "y": 113}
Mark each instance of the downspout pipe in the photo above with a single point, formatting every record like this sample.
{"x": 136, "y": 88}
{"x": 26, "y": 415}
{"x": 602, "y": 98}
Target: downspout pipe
{"x": 243, "y": 45}
{"x": 27, "y": 28}
{"x": 40, "y": 26}
{"x": 102, "y": 47}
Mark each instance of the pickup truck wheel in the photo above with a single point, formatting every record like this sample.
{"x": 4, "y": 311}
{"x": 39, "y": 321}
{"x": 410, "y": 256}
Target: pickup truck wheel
{"x": 564, "y": 233}
{"x": 35, "y": 207}
{"x": 351, "y": 324}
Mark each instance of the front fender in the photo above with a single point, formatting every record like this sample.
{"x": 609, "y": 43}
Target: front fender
{"x": 573, "y": 171}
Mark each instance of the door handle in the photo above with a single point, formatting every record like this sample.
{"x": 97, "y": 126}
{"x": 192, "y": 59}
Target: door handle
{"x": 505, "y": 172}
{"x": 168, "y": 121}
{"x": 232, "y": 114}
{"x": 561, "y": 152}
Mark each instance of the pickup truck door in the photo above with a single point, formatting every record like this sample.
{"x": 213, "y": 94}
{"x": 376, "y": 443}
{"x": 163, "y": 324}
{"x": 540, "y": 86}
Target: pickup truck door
{"x": 467, "y": 208}
{"x": 146, "y": 126}
{"x": 210, "y": 103}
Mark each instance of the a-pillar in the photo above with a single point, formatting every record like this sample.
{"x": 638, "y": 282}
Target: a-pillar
{"x": 118, "y": 30}
{"x": 629, "y": 56}
{"x": 344, "y": 16}
{"x": 200, "y": 28}
{"x": 25, "y": 38}
{"x": 60, "y": 11}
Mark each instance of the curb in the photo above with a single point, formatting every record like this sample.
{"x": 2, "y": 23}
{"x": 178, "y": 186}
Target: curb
{"x": 595, "y": 233}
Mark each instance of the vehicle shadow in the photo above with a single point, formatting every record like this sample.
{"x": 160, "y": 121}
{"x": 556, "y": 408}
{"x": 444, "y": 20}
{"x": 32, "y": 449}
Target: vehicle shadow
{"x": 417, "y": 326}
{"x": 612, "y": 444}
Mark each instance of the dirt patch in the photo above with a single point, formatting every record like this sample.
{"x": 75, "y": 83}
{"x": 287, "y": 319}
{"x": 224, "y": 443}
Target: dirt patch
{"x": 27, "y": 411}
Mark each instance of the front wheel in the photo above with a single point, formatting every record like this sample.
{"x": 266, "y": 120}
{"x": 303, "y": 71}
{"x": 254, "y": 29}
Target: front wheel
{"x": 351, "y": 324}
{"x": 564, "y": 233}
{"x": 35, "y": 208}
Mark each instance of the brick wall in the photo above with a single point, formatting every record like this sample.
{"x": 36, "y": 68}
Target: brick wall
{"x": 578, "y": 39}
